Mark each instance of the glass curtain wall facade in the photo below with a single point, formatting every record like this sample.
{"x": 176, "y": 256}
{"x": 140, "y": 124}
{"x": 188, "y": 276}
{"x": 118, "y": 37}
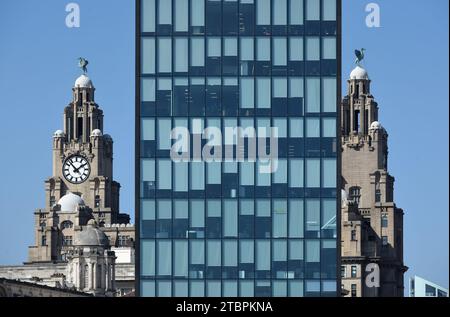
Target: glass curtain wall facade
{"x": 224, "y": 228}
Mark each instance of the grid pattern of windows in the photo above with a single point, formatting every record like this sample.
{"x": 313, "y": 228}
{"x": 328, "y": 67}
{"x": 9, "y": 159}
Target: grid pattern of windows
{"x": 226, "y": 228}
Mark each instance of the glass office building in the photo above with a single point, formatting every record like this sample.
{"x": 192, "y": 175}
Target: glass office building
{"x": 224, "y": 228}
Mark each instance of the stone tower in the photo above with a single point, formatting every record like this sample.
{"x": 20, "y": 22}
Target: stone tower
{"x": 81, "y": 186}
{"x": 372, "y": 225}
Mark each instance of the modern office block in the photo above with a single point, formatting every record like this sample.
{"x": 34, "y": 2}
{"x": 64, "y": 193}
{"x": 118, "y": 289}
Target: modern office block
{"x": 420, "y": 287}
{"x": 225, "y": 228}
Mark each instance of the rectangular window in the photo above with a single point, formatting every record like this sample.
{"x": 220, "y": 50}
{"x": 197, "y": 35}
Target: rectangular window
{"x": 263, "y": 93}
{"x": 312, "y": 49}
{"x": 312, "y": 127}
{"x": 312, "y": 10}
{"x": 353, "y": 236}
{"x": 164, "y": 132}
{"x": 329, "y": 171}
{"x": 164, "y": 54}
{"x": 197, "y": 51}
{"x": 329, "y": 127}
{"x": 263, "y": 12}
{"x": 329, "y": 10}
{"x": 384, "y": 241}
{"x": 164, "y": 174}
{"x": 247, "y": 93}
{"x": 279, "y": 218}
{"x": 181, "y": 176}
{"x": 164, "y": 12}
{"x": 280, "y": 12}
{"x": 296, "y": 12}
{"x": 147, "y": 129}
{"x": 230, "y": 218}
{"x": 353, "y": 290}
{"x": 313, "y": 173}
{"x": 313, "y": 95}
{"x": 295, "y": 48}
{"x": 295, "y": 221}
{"x": 343, "y": 271}
{"x": 148, "y": 15}
{"x": 164, "y": 258}
{"x": 197, "y": 13}
{"x": 181, "y": 15}
{"x": 296, "y": 127}
{"x": 279, "y": 51}
{"x": 180, "y": 254}
{"x": 329, "y": 94}
{"x": 329, "y": 48}
{"x": 181, "y": 55}
{"x": 148, "y": 89}
{"x": 148, "y": 257}
{"x": 262, "y": 255}
{"x": 247, "y": 173}
{"x": 296, "y": 173}
{"x": 247, "y": 49}
{"x": 197, "y": 175}
{"x": 263, "y": 49}
{"x": 354, "y": 271}
{"x": 148, "y": 55}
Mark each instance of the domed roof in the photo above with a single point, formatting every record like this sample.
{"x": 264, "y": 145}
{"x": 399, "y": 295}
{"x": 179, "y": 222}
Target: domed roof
{"x": 84, "y": 82}
{"x": 107, "y": 137}
{"x": 90, "y": 235}
{"x": 58, "y": 134}
{"x": 96, "y": 132}
{"x": 70, "y": 202}
{"x": 375, "y": 126}
{"x": 359, "y": 73}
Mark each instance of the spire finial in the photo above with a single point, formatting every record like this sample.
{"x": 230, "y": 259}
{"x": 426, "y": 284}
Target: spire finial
{"x": 82, "y": 63}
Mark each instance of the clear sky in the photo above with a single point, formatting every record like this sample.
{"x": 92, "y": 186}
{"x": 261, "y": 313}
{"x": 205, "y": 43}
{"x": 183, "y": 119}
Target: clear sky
{"x": 407, "y": 59}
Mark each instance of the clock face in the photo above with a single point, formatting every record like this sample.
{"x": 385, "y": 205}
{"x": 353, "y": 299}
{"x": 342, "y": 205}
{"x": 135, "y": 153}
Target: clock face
{"x": 76, "y": 169}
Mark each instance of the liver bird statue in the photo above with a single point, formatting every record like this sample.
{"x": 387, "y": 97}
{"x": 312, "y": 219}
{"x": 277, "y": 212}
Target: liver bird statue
{"x": 82, "y": 63}
{"x": 359, "y": 56}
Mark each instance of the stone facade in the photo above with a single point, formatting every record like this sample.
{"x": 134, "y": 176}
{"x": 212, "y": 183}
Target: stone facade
{"x": 371, "y": 224}
{"x": 81, "y": 198}
{"x": 16, "y": 288}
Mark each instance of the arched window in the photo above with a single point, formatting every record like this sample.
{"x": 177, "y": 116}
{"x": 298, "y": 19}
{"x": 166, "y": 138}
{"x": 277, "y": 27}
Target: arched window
{"x": 86, "y": 276}
{"x": 355, "y": 194}
{"x": 66, "y": 224}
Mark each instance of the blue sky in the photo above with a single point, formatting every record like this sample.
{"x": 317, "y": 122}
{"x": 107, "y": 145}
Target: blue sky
{"x": 407, "y": 59}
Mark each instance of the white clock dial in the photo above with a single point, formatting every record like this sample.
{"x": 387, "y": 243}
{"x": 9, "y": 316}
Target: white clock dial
{"x": 76, "y": 169}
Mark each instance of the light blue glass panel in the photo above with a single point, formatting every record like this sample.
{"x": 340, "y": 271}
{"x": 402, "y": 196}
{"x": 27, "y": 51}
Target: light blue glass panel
{"x": 279, "y": 51}
{"x": 181, "y": 176}
{"x": 312, "y": 49}
{"x": 229, "y": 253}
{"x": 247, "y": 173}
{"x": 147, "y": 129}
{"x": 197, "y": 214}
{"x": 197, "y": 51}
{"x": 312, "y": 10}
{"x": 148, "y": 170}
{"x": 262, "y": 178}
{"x": 313, "y": 215}
{"x": 263, "y": 255}
{"x": 246, "y": 251}
{"x": 230, "y": 46}
{"x": 230, "y": 218}
{"x": 214, "y": 173}
{"x": 328, "y": 221}
{"x": 313, "y": 95}
{"x": 247, "y": 289}
{"x": 197, "y": 288}
{"x": 197, "y": 12}
{"x": 148, "y": 55}
{"x": 329, "y": 286}
{"x": 214, "y": 251}
{"x": 279, "y": 87}
{"x": 296, "y": 250}
{"x": 147, "y": 288}
{"x": 180, "y": 288}
{"x": 230, "y": 289}
{"x": 147, "y": 258}
{"x": 329, "y": 170}
{"x": 181, "y": 55}
{"x": 214, "y": 208}
{"x": 296, "y": 173}
{"x": 263, "y": 49}
{"x": 280, "y": 12}
{"x": 214, "y": 47}
{"x": 329, "y": 48}
{"x": 197, "y": 175}
{"x": 296, "y": 48}
{"x": 148, "y": 210}
{"x": 312, "y": 127}
{"x": 296, "y": 127}
{"x": 281, "y": 125}
{"x": 181, "y": 209}
{"x": 296, "y": 12}
{"x": 296, "y": 288}
{"x": 164, "y": 12}
{"x": 279, "y": 288}
{"x": 164, "y": 133}
{"x": 313, "y": 173}
{"x": 329, "y": 127}
{"x": 263, "y": 12}
{"x": 313, "y": 286}
{"x": 148, "y": 15}
{"x": 164, "y": 209}
{"x": 164, "y": 55}
{"x": 164, "y": 289}
{"x": 329, "y": 94}
{"x": 263, "y": 208}
{"x": 214, "y": 289}
{"x": 329, "y": 10}
{"x": 164, "y": 174}
{"x": 247, "y": 93}
{"x": 181, "y": 15}
{"x": 279, "y": 229}
{"x": 280, "y": 175}
{"x": 197, "y": 250}
{"x": 148, "y": 89}
{"x": 312, "y": 251}
{"x": 164, "y": 258}
{"x": 296, "y": 222}
{"x": 263, "y": 93}
{"x": 247, "y": 49}
{"x": 180, "y": 253}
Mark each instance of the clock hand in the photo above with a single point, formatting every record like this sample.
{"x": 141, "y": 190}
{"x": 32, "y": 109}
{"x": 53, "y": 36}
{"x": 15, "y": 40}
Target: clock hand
{"x": 77, "y": 169}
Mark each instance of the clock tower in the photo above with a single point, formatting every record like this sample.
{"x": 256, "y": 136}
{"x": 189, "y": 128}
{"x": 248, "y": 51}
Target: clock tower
{"x": 82, "y": 186}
